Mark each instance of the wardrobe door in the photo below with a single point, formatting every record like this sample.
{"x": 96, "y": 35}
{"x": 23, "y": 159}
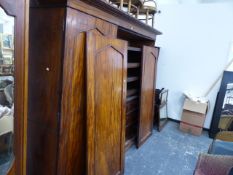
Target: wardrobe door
{"x": 106, "y": 96}
{"x": 149, "y": 66}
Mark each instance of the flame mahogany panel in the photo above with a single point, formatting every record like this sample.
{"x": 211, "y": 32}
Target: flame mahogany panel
{"x": 72, "y": 145}
{"x": 106, "y": 97}
{"x": 149, "y": 67}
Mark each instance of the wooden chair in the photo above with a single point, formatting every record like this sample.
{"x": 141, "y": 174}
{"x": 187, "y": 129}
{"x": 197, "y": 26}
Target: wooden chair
{"x": 225, "y": 136}
{"x": 148, "y": 10}
{"x": 225, "y": 122}
{"x": 132, "y": 5}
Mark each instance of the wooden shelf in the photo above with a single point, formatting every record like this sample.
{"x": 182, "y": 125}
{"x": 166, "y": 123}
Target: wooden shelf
{"x": 133, "y": 65}
{"x": 133, "y": 122}
{"x": 131, "y": 92}
{"x": 135, "y": 49}
{"x": 132, "y": 79}
{"x": 131, "y": 98}
{"x": 129, "y": 143}
{"x": 131, "y": 111}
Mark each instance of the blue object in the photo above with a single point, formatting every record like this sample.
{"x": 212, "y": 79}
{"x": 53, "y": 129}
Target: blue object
{"x": 220, "y": 147}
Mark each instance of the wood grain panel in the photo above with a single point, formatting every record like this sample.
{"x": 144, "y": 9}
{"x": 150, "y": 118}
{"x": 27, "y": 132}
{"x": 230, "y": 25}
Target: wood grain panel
{"x": 106, "y": 28}
{"x": 149, "y": 66}
{"x": 106, "y": 95}
{"x": 72, "y": 142}
{"x": 43, "y": 150}
{"x": 45, "y": 66}
{"x": 46, "y": 37}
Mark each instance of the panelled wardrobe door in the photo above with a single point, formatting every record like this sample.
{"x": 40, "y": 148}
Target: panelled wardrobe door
{"x": 149, "y": 66}
{"x": 72, "y": 142}
{"x": 106, "y": 96}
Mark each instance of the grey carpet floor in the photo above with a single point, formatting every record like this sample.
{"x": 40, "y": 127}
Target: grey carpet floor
{"x": 169, "y": 152}
{"x": 5, "y": 167}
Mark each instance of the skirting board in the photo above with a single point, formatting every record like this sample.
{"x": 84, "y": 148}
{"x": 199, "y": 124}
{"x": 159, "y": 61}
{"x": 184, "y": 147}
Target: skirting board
{"x": 177, "y": 121}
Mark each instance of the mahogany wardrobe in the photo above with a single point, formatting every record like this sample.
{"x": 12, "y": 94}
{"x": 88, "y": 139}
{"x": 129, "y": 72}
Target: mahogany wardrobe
{"x": 92, "y": 74}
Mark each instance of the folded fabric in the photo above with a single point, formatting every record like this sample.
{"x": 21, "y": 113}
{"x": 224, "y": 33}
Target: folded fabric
{"x": 220, "y": 147}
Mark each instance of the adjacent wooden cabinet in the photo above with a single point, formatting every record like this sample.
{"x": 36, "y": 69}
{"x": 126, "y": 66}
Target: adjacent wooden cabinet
{"x": 92, "y": 75}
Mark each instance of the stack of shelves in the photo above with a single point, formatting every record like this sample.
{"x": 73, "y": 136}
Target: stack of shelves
{"x": 133, "y": 95}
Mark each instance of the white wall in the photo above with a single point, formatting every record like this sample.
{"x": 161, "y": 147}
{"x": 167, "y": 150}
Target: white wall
{"x": 194, "y": 50}
{"x": 7, "y": 21}
{"x": 230, "y": 57}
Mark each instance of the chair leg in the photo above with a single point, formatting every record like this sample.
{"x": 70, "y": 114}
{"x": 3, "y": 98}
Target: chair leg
{"x": 147, "y": 16}
{"x": 129, "y": 6}
{"x": 153, "y": 18}
{"x": 137, "y": 14}
{"x": 121, "y": 4}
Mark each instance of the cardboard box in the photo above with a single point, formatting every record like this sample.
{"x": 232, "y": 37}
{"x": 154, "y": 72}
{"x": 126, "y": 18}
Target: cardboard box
{"x": 195, "y": 130}
{"x": 193, "y": 117}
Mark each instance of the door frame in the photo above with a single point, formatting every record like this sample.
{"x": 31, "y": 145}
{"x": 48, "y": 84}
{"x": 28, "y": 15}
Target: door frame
{"x": 19, "y": 9}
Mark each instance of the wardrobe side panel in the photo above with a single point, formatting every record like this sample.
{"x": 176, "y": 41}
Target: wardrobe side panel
{"x": 45, "y": 60}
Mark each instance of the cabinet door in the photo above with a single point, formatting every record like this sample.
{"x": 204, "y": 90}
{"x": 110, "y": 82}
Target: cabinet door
{"x": 72, "y": 147}
{"x": 149, "y": 66}
{"x": 106, "y": 96}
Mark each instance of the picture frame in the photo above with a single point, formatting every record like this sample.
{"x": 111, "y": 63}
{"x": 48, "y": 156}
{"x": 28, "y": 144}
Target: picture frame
{"x": 7, "y": 41}
{"x": 223, "y": 111}
{"x": 6, "y": 49}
